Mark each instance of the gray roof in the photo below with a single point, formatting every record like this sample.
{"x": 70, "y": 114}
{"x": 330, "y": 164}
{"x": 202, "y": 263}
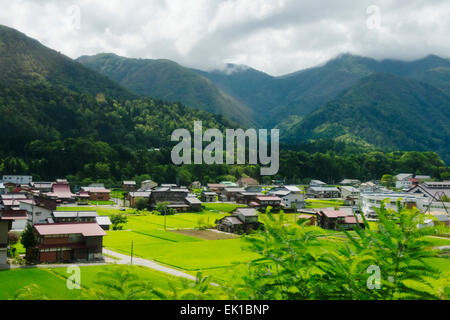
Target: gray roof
{"x": 75, "y": 214}
{"x": 234, "y": 189}
{"x": 324, "y": 189}
{"x": 281, "y": 193}
{"x": 248, "y": 212}
{"x": 403, "y": 176}
{"x": 143, "y": 194}
{"x": 193, "y": 200}
{"x": 233, "y": 220}
{"x": 103, "y": 221}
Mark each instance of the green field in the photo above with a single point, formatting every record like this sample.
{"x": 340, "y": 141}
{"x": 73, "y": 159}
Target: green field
{"x": 52, "y": 281}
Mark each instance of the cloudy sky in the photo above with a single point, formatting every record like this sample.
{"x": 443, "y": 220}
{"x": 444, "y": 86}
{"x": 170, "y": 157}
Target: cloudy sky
{"x": 275, "y": 36}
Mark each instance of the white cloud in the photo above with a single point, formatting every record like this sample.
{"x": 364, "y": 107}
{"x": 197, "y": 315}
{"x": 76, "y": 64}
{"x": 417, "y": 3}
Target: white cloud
{"x": 278, "y": 36}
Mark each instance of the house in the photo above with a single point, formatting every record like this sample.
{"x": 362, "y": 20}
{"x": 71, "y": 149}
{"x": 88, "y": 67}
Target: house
{"x": 209, "y": 196}
{"x": 432, "y": 190}
{"x": 104, "y": 222}
{"x": 241, "y": 220}
{"x": 323, "y": 192}
{"x": 11, "y": 201}
{"x": 350, "y": 182}
{"x": 61, "y": 192}
{"x": 58, "y": 242}
{"x": 133, "y": 197}
{"x": 230, "y": 193}
{"x": 262, "y": 202}
{"x": 194, "y": 203}
{"x": 195, "y": 185}
{"x": 17, "y": 180}
{"x": 129, "y": 185}
{"x": 403, "y": 180}
{"x": 369, "y": 201}
{"x": 97, "y": 193}
{"x": 42, "y": 186}
{"x": 290, "y": 199}
{"x": 177, "y": 198}
{"x": 2, "y": 188}
{"x": 74, "y": 216}
{"x": 148, "y": 185}
{"x": 350, "y": 195}
{"x": 245, "y": 182}
{"x": 216, "y": 187}
{"x": 247, "y": 197}
{"x": 6, "y": 220}
{"x": 37, "y": 212}
{"x": 336, "y": 220}
{"x": 290, "y": 196}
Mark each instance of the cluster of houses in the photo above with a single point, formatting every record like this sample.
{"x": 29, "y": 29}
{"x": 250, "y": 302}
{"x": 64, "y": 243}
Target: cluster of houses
{"x": 74, "y": 235}
{"x": 61, "y": 235}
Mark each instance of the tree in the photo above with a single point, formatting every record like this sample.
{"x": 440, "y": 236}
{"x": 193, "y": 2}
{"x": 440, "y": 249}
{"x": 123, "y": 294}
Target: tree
{"x": 118, "y": 220}
{"x": 141, "y": 203}
{"x": 162, "y": 207}
{"x": 29, "y": 239}
{"x": 388, "y": 180}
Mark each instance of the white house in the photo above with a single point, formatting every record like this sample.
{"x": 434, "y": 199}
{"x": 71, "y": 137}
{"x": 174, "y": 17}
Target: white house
{"x": 2, "y": 188}
{"x": 290, "y": 198}
{"x": 370, "y": 201}
{"x": 403, "y": 180}
{"x": 36, "y": 214}
{"x": 349, "y": 191}
{"x": 17, "y": 179}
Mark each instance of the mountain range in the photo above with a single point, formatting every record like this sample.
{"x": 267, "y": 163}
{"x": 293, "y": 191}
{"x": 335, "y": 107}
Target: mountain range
{"x": 388, "y": 104}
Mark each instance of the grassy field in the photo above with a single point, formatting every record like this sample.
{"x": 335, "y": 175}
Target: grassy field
{"x": 52, "y": 281}
{"x": 323, "y": 203}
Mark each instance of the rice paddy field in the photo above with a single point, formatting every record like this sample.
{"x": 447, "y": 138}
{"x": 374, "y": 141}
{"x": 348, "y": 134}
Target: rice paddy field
{"x": 52, "y": 281}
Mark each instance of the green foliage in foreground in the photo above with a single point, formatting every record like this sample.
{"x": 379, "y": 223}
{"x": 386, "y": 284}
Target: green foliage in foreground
{"x": 390, "y": 263}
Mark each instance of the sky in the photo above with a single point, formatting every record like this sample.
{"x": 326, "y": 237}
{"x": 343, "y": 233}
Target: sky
{"x": 274, "y": 36}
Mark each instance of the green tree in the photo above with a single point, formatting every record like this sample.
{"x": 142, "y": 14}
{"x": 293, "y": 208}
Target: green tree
{"x": 388, "y": 180}
{"x": 28, "y": 239}
{"x": 118, "y": 220}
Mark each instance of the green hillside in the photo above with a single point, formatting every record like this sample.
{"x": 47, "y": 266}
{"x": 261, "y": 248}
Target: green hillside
{"x": 23, "y": 59}
{"x": 169, "y": 81}
{"x": 385, "y": 111}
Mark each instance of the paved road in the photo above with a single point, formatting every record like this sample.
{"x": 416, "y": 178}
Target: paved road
{"x": 124, "y": 259}
{"x": 120, "y": 259}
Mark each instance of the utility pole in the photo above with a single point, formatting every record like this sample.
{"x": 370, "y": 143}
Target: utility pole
{"x": 165, "y": 214}
{"x": 131, "y": 252}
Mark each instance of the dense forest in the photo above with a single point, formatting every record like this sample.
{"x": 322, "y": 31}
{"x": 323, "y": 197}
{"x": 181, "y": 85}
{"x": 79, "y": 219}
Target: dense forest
{"x": 85, "y": 160}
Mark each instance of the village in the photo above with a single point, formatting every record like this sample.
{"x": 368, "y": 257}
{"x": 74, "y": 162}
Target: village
{"x": 68, "y": 228}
